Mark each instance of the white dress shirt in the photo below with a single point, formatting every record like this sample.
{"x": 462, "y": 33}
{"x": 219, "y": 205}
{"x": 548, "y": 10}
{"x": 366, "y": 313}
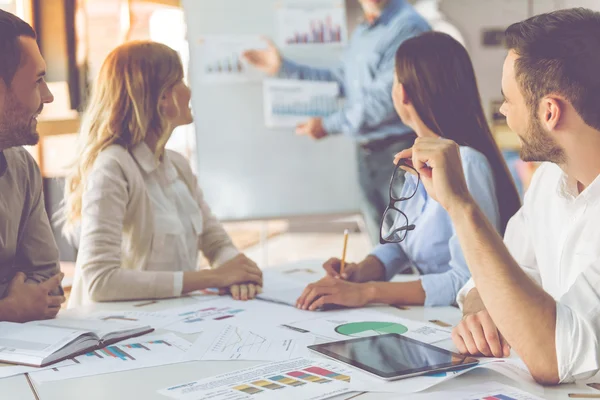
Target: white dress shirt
{"x": 555, "y": 238}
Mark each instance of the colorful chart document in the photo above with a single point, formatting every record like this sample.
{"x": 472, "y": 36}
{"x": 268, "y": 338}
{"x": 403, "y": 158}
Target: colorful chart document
{"x": 154, "y": 319}
{"x": 342, "y": 325}
{"x": 295, "y": 379}
{"x": 484, "y": 391}
{"x": 312, "y": 22}
{"x": 149, "y": 351}
{"x": 290, "y": 102}
{"x": 234, "y": 343}
{"x": 222, "y": 311}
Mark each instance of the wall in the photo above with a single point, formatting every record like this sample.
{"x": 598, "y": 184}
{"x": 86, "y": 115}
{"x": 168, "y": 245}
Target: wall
{"x": 472, "y": 16}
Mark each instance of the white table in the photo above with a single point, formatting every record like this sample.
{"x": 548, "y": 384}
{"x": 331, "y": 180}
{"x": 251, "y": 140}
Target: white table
{"x": 144, "y": 383}
{"x": 15, "y": 388}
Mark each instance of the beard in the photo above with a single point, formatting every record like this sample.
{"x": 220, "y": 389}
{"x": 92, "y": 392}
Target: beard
{"x": 539, "y": 145}
{"x": 17, "y": 125}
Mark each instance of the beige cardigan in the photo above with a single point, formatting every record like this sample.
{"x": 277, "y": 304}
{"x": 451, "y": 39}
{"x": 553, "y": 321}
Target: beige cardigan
{"x": 117, "y": 230}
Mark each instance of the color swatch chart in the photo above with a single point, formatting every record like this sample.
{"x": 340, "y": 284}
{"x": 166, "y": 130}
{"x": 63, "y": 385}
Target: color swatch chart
{"x": 310, "y": 375}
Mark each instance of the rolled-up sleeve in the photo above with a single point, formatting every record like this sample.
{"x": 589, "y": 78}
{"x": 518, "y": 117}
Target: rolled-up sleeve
{"x": 392, "y": 257}
{"x": 376, "y": 105}
{"x": 578, "y": 327}
{"x": 293, "y": 70}
{"x": 517, "y": 239}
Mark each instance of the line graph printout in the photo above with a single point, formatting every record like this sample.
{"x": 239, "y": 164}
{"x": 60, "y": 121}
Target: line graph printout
{"x": 235, "y": 343}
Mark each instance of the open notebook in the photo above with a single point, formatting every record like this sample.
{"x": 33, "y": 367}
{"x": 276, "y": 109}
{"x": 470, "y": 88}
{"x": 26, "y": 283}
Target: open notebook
{"x": 41, "y": 343}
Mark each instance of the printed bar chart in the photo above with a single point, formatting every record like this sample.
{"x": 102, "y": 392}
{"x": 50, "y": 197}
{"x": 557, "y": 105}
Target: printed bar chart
{"x": 290, "y": 102}
{"x": 310, "y": 23}
{"x": 320, "y": 32}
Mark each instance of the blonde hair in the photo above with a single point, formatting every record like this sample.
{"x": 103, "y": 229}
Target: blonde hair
{"x": 123, "y": 110}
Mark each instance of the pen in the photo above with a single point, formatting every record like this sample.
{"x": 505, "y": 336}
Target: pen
{"x": 584, "y": 396}
{"x": 343, "y": 264}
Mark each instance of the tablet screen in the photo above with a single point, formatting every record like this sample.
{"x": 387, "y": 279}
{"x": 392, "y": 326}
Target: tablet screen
{"x": 392, "y": 355}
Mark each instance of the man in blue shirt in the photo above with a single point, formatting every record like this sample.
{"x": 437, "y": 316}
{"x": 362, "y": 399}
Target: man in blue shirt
{"x": 365, "y": 75}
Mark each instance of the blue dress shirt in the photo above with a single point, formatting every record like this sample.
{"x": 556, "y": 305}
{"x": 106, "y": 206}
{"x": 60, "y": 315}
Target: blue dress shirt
{"x": 366, "y": 74}
{"x": 433, "y": 247}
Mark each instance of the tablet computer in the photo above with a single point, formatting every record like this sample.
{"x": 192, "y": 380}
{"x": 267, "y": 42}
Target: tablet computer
{"x": 393, "y": 356}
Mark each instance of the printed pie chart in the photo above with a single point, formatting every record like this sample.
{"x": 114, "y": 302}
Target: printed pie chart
{"x": 363, "y": 329}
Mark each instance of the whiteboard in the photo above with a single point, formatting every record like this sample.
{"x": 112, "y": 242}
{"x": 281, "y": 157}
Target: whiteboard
{"x": 246, "y": 170}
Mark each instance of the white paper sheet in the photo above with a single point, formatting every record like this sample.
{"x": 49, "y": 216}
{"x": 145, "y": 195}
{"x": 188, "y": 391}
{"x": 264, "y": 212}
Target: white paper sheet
{"x": 7, "y": 370}
{"x": 487, "y": 390}
{"x": 220, "y": 58}
{"x": 290, "y": 102}
{"x": 281, "y": 288}
{"x": 294, "y": 379}
{"x": 142, "y": 352}
{"x": 29, "y": 344}
{"x": 346, "y": 324}
{"x": 195, "y": 318}
{"x": 154, "y": 319}
{"x": 310, "y": 22}
{"x": 234, "y": 343}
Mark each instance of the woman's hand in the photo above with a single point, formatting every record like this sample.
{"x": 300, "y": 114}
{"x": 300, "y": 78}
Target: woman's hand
{"x": 334, "y": 291}
{"x": 370, "y": 269}
{"x": 245, "y": 291}
{"x": 238, "y": 270}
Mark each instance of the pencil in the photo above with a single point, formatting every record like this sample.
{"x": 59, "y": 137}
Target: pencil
{"x": 343, "y": 264}
{"x": 584, "y": 396}
{"x": 32, "y": 387}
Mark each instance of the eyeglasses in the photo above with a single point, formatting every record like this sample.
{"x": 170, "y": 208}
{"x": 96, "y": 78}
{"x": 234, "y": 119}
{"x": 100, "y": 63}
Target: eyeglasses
{"x": 394, "y": 224}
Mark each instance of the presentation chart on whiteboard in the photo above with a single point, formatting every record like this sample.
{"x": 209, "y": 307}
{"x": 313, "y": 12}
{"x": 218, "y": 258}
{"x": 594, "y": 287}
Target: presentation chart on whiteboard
{"x": 312, "y": 22}
{"x": 220, "y": 59}
{"x": 289, "y": 102}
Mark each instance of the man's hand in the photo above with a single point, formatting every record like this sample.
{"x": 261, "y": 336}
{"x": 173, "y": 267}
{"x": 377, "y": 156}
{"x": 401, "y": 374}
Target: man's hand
{"x": 438, "y": 162}
{"x": 477, "y": 335}
{"x": 313, "y": 128}
{"x": 268, "y": 60}
{"x": 32, "y": 301}
{"x": 334, "y": 291}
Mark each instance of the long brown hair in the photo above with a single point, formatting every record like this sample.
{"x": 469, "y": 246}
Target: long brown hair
{"x": 438, "y": 77}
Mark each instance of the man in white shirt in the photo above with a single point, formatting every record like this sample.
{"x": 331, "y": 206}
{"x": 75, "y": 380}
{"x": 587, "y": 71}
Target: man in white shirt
{"x": 539, "y": 291}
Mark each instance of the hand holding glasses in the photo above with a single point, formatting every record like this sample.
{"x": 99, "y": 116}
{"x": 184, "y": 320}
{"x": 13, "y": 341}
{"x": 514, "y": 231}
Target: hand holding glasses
{"x": 394, "y": 224}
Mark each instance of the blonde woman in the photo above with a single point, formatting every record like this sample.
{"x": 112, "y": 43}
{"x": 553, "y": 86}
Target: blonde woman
{"x": 134, "y": 207}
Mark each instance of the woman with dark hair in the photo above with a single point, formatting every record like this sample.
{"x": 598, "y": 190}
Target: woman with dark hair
{"x": 435, "y": 93}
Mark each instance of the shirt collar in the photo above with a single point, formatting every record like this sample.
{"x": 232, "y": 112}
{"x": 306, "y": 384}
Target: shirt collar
{"x": 567, "y": 188}
{"x": 145, "y": 157}
{"x": 389, "y": 12}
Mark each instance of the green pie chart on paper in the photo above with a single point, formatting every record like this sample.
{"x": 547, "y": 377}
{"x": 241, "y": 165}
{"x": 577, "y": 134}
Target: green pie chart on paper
{"x": 363, "y": 329}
